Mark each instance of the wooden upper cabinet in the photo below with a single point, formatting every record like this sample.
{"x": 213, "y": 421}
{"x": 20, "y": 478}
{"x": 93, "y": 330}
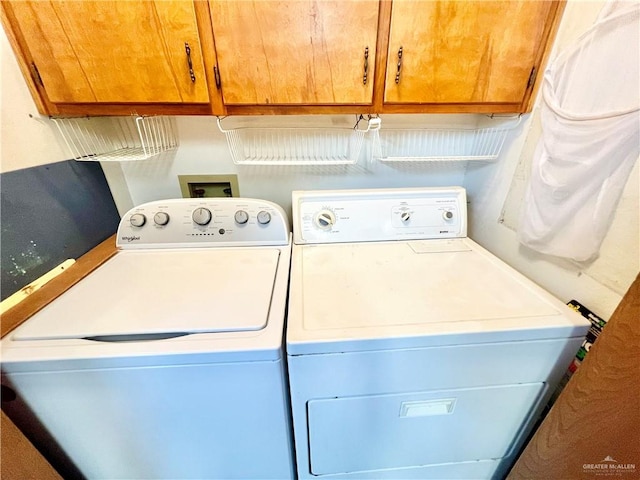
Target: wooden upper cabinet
{"x": 281, "y": 56}
{"x": 303, "y": 52}
{"x": 466, "y": 52}
{"x": 112, "y": 52}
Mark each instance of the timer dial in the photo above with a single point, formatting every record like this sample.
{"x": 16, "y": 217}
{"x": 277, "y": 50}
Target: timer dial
{"x": 201, "y": 216}
{"x": 138, "y": 219}
{"x": 447, "y": 215}
{"x": 325, "y": 219}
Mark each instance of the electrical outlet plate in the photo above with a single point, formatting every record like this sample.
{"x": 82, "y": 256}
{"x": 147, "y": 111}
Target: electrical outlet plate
{"x": 196, "y": 186}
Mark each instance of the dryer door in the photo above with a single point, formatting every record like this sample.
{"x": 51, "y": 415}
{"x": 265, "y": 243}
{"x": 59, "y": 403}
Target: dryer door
{"x": 376, "y": 432}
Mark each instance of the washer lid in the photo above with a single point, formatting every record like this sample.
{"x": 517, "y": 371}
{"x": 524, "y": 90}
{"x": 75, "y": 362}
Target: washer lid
{"x": 163, "y": 293}
{"x": 431, "y": 292}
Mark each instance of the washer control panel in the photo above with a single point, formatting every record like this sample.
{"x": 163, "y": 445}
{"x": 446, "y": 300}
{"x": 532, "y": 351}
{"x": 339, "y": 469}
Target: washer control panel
{"x": 199, "y": 222}
{"x": 334, "y": 216}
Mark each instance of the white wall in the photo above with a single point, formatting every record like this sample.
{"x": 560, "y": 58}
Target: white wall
{"x": 203, "y": 150}
{"x": 27, "y": 139}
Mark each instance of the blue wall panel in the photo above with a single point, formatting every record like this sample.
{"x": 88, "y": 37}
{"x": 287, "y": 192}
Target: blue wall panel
{"x": 51, "y": 213}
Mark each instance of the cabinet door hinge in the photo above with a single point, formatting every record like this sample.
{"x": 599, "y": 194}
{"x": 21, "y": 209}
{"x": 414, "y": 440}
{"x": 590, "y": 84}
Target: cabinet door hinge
{"x": 216, "y": 76}
{"x": 36, "y": 74}
{"x": 532, "y": 77}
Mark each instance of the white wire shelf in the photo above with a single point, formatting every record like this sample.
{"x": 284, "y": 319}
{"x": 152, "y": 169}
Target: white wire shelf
{"x": 117, "y": 138}
{"x": 439, "y": 145}
{"x": 292, "y": 146}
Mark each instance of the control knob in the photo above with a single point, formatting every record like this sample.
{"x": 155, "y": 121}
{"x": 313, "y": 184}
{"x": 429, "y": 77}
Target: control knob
{"x": 161, "y": 218}
{"x": 447, "y": 215}
{"x": 405, "y": 216}
{"x": 264, "y": 217}
{"x": 241, "y": 217}
{"x": 138, "y": 219}
{"x": 325, "y": 219}
{"x": 201, "y": 216}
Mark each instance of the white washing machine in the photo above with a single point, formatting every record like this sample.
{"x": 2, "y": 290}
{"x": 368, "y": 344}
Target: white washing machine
{"x": 168, "y": 361}
{"x": 412, "y": 351}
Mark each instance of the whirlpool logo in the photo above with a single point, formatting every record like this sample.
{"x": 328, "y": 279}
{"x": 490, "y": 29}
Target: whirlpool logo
{"x": 130, "y": 238}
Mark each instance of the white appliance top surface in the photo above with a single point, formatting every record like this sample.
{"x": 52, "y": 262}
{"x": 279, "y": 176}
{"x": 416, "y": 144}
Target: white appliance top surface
{"x": 393, "y": 284}
{"x": 163, "y": 292}
{"x": 359, "y": 291}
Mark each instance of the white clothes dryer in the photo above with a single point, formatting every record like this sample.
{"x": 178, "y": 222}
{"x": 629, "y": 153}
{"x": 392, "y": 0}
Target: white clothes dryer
{"x": 167, "y": 361}
{"x": 412, "y": 351}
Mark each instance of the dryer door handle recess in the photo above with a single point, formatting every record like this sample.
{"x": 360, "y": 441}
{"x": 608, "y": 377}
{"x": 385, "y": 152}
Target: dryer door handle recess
{"x": 427, "y": 408}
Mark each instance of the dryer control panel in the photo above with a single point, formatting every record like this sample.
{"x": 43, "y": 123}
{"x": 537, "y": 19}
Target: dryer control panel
{"x": 335, "y": 216}
{"x": 202, "y": 222}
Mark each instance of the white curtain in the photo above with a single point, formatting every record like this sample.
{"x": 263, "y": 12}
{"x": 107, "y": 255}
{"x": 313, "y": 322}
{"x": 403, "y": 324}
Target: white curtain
{"x": 591, "y": 138}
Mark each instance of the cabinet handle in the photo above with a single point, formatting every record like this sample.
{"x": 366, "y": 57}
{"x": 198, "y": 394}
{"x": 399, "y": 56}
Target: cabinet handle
{"x": 532, "y": 78}
{"x": 216, "y": 76}
{"x": 366, "y": 65}
{"x": 187, "y": 49}
{"x": 36, "y": 74}
{"x": 399, "y": 65}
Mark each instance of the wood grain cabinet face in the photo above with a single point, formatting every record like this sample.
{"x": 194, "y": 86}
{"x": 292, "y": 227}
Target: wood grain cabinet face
{"x": 280, "y": 56}
{"x": 465, "y": 52}
{"x": 113, "y": 51}
{"x": 304, "y": 52}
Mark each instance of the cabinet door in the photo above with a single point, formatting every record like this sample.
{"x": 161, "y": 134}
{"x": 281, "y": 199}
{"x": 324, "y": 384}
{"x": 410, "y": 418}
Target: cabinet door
{"x": 464, "y": 51}
{"x": 296, "y": 51}
{"x": 114, "y": 51}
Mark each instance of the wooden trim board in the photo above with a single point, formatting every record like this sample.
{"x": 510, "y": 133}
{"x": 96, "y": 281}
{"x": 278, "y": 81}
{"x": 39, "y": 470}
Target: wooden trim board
{"x": 593, "y": 429}
{"x": 57, "y": 286}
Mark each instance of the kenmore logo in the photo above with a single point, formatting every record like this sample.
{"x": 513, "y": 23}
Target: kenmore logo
{"x": 130, "y": 239}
